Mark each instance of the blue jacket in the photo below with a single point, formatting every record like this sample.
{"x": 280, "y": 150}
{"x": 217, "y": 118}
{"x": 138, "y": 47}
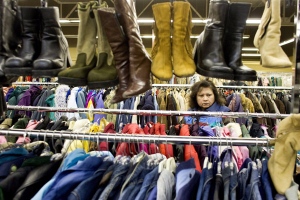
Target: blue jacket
{"x": 211, "y": 120}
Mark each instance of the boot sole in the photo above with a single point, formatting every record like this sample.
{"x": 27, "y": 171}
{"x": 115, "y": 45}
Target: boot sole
{"x": 215, "y": 74}
{"x": 18, "y": 71}
{"x": 46, "y": 73}
{"x": 103, "y": 84}
{"x": 72, "y": 81}
{"x": 245, "y": 77}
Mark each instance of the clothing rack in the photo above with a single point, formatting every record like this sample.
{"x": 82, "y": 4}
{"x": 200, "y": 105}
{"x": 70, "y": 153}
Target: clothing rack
{"x": 139, "y": 138}
{"x": 227, "y": 86}
{"x": 148, "y": 112}
{"x": 35, "y": 83}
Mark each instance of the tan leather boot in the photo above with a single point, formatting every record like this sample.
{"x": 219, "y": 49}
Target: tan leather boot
{"x": 267, "y": 37}
{"x": 183, "y": 63}
{"x": 161, "y": 66}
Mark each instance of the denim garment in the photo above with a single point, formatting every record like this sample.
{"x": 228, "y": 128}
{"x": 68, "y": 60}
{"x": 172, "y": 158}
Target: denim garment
{"x": 166, "y": 185}
{"x": 104, "y": 181}
{"x": 226, "y": 181}
{"x": 153, "y": 194}
{"x": 152, "y": 185}
{"x": 219, "y": 188}
{"x": 252, "y": 191}
{"x": 268, "y": 188}
{"x": 187, "y": 180}
{"x": 5, "y": 168}
{"x": 68, "y": 162}
{"x": 244, "y": 177}
{"x": 12, "y": 154}
{"x": 233, "y": 184}
{"x": 149, "y": 178}
{"x": 112, "y": 190}
{"x": 208, "y": 180}
{"x": 135, "y": 179}
{"x": 69, "y": 179}
{"x": 201, "y": 182}
{"x": 87, "y": 188}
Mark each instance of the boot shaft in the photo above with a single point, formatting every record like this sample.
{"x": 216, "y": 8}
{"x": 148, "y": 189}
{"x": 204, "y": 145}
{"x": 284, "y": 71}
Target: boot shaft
{"x": 237, "y": 16}
{"x": 217, "y": 14}
{"x": 162, "y": 17}
{"x": 87, "y": 31}
{"x": 30, "y": 21}
{"x": 10, "y": 27}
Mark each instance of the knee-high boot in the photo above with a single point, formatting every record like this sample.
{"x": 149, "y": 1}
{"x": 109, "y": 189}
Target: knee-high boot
{"x": 54, "y": 56}
{"x": 76, "y": 75}
{"x": 22, "y": 64}
{"x": 119, "y": 47}
{"x": 267, "y": 37}
{"x": 139, "y": 60}
{"x": 233, "y": 41}
{"x": 161, "y": 66}
{"x": 104, "y": 75}
{"x": 10, "y": 36}
{"x": 182, "y": 48}
{"x": 208, "y": 49}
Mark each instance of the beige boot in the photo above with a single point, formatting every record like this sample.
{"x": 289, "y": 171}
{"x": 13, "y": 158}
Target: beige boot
{"x": 161, "y": 66}
{"x": 183, "y": 63}
{"x": 267, "y": 37}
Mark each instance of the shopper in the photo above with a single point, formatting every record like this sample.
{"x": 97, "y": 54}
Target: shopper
{"x": 204, "y": 96}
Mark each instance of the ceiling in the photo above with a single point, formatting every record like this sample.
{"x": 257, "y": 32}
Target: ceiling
{"x": 199, "y": 11}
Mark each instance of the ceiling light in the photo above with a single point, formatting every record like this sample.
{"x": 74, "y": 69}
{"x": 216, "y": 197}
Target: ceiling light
{"x": 249, "y": 49}
{"x": 286, "y": 42}
{"x": 250, "y": 54}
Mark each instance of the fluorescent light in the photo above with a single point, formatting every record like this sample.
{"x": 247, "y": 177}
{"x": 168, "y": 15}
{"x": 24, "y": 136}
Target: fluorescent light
{"x": 249, "y": 49}
{"x": 253, "y": 21}
{"x": 251, "y": 54}
{"x": 286, "y": 42}
{"x": 151, "y": 21}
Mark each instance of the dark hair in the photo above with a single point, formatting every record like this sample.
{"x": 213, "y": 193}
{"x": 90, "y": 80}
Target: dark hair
{"x": 204, "y": 84}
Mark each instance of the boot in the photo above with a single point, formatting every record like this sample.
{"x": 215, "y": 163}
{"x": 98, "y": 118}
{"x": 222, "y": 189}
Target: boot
{"x": 54, "y": 56}
{"x": 233, "y": 41}
{"x": 208, "y": 49}
{"x": 139, "y": 61}
{"x": 10, "y": 36}
{"x": 183, "y": 63}
{"x": 267, "y": 37}
{"x": 22, "y": 64}
{"x": 119, "y": 47}
{"x": 104, "y": 75}
{"x": 161, "y": 66}
{"x": 76, "y": 75}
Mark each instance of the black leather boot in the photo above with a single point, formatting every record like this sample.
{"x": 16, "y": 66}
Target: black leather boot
{"x": 208, "y": 49}
{"x": 233, "y": 41}
{"x": 54, "y": 56}
{"x": 22, "y": 64}
{"x": 10, "y": 36}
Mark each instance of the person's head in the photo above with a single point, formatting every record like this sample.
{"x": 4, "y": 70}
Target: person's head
{"x": 203, "y": 94}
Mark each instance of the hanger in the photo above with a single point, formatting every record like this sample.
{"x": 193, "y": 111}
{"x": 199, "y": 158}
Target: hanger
{"x": 44, "y": 3}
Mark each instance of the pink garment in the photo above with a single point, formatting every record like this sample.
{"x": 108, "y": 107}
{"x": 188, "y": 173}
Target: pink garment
{"x": 21, "y": 140}
{"x": 238, "y": 156}
{"x": 32, "y": 124}
{"x": 245, "y": 152}
{"x": 2, "y": 139}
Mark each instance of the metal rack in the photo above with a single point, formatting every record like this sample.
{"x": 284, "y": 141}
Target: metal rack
{"x": 148, "y": 112}
{"x": 134, "y": 138}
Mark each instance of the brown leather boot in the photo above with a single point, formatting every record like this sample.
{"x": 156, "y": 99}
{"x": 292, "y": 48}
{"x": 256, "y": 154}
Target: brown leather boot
{"x": 139, "y": 60}
{"x": 119, "y": 47}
